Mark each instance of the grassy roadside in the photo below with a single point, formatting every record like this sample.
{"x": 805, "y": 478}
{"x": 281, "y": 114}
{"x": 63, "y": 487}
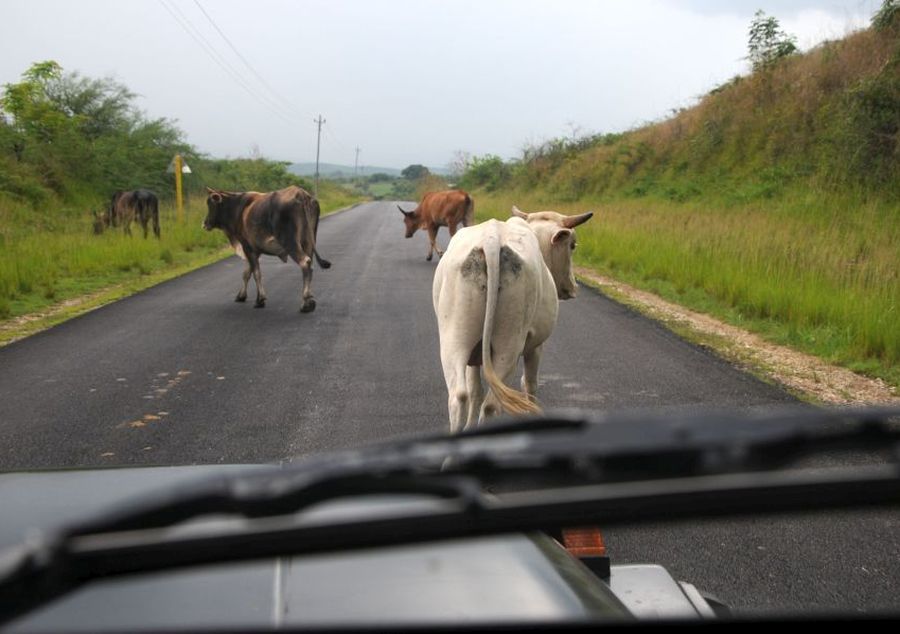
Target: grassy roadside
{"x": 51, "y": 274}
{"x": 823, "y": 282}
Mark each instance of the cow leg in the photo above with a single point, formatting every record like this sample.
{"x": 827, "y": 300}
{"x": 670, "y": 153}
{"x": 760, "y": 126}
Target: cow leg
{"x": 308, "y": 301}
{"x": 453, "y": 361}
{"x": 452, "y": 229}
{"x": 253, "y": 259}
{"x": 476, "y": 395}
{"x": 532, "y": 359}
{"x": 156, "y": 225}
{"x": 432, "y": 243}
{"x": 242, "y": 294}
{"x": 144, "y": 225}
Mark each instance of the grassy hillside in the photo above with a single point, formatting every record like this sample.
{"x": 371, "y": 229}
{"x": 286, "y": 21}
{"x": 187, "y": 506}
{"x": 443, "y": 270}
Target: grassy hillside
{"x": 774, "y": 203}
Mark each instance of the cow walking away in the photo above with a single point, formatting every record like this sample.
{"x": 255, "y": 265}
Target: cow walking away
{"x": 449, "y": 209}
{"x": 127, "y": 206}
{"x": 282, "y": 223}
{"x": 496, "y": 296}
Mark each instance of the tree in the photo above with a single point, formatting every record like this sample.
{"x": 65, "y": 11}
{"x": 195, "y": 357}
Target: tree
{"x": 68, "y": 133}
{"x": 414, "y": 172}
{"x": 886, "y": 15}
{"x": 768, "y": 43}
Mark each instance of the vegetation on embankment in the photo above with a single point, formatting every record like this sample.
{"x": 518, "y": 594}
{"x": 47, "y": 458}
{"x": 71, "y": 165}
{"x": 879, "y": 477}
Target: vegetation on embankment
{"x": 774, "y": 203}
{"x": 68, "y": 142}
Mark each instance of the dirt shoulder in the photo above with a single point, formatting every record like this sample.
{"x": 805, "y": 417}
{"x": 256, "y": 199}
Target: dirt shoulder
{"x": 807, "y": 376}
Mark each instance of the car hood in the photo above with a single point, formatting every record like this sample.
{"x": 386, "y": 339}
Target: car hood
{"x": 510, "y": 578}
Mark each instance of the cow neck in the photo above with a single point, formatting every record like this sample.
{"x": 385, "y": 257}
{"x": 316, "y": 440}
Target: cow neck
{"x": 234, "y": 208}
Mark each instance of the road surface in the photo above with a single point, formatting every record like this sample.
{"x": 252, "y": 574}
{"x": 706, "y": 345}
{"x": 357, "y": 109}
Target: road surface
{"x": 181, "y": 374}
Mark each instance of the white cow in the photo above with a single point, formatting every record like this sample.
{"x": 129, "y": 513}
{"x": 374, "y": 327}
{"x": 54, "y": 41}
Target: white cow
{"x": 496, "y": 295}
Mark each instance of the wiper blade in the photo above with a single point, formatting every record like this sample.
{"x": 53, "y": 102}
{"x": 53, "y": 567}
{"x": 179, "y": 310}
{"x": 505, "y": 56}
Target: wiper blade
{"x": 685, "y": 468}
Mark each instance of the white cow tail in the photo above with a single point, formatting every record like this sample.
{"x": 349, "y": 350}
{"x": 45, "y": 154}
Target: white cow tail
{"x": 511, "y": 401}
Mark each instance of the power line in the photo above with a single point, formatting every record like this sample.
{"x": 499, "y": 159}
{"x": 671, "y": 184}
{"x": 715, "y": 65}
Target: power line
{"x": 228, "y": 67}
{"x": 249, "y": 66}
{"x": 334, "y": 138}
{"x": 188, "y": 28}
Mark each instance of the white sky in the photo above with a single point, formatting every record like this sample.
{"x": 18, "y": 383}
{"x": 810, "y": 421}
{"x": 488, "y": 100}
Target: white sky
{"x": 409, "y": 81}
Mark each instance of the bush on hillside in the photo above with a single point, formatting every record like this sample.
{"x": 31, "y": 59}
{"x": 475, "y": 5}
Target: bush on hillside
{"x": 768, "y": 43}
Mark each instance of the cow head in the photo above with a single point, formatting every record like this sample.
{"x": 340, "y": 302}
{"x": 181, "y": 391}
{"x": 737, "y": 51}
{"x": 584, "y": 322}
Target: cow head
{"x": 100, "y": 221}
{"x": 556, "y": 236}
{"x": 411, "y": 220}
{"x": 217, "y": 212}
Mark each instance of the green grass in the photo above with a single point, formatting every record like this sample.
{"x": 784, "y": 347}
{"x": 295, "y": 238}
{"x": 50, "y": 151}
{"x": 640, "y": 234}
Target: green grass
{"x": 819, "y": 275}
{"x": 40, "y": 266}
{"x": 381, "y": 190}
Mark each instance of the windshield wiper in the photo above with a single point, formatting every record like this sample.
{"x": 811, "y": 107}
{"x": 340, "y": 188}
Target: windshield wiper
{"x": 508, "y": 477}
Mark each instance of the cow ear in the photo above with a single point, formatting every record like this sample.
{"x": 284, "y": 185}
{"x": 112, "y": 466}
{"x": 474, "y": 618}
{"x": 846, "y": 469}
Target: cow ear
{"x": 216, "y": 197}
{"x": 518, "y": 213}
{"x": 561, "y": 234}
{"x": 573, "y": 221}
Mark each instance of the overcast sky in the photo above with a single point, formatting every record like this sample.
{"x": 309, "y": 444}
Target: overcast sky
{"x": 409, "y": 81}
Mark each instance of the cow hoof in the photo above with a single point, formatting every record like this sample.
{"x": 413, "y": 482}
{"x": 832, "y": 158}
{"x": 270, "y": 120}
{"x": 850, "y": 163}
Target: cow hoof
{"x": 308, "y": 306}
{"x": 260, "y": 303}
{"x": 428, "y": 257}
{"x": 240, "y": 298}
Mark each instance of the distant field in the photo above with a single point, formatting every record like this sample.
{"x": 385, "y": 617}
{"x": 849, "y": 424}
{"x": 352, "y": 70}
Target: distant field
{"x": 381, "y": 190}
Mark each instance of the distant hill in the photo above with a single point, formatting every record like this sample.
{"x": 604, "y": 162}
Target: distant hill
{"x": 333, "y": 170}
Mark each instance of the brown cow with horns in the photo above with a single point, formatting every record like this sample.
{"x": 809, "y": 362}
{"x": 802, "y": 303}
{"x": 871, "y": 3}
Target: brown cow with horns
{"x": 282, "y": 223}
{"x": 449, "y": 209}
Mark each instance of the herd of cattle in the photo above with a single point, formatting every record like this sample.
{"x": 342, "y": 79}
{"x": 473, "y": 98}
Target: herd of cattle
{"x": 496, "y": 288}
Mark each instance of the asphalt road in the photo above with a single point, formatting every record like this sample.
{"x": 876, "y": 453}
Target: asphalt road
{"x": 181, "y": 374}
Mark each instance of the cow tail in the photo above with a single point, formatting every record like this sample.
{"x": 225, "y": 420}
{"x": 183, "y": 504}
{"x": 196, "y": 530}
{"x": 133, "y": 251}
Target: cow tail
{"x": 511, "y": 401}
{"x": 470, "y": 211}
{"x": 325, "y": 264}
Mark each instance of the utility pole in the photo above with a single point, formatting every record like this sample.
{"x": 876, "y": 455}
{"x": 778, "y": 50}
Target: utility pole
{"x": 356, "y": 167}
{"x": 319, "y": 121}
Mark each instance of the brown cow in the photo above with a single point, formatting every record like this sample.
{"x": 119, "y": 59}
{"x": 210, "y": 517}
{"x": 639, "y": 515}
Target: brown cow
{"x": 449, "y": 209}
{"x": 282, "y": 223}
{"x": 126, "y": 206}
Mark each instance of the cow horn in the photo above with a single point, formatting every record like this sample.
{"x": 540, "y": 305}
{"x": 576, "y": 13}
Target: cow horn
{"x": 573, "y": 221}
{"x": 405, "y": 213}
{"x": 518, "y": 213}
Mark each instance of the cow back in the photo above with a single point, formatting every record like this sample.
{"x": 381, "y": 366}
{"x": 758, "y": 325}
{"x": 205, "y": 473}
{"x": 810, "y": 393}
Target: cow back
{"x": 445, "y": 207}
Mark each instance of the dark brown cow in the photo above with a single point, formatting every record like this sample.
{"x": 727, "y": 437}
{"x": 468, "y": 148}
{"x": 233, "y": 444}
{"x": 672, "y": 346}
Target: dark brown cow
{"x": 282, "y": 223}
{"x": 126, "y": 206}
{"x": 449, "y": 209}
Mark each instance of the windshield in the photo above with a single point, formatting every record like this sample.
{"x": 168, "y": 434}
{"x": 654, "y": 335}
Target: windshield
{"x": 665, "y": 208}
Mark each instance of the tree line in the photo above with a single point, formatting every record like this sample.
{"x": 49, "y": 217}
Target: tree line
{"x": 69, "y": 138}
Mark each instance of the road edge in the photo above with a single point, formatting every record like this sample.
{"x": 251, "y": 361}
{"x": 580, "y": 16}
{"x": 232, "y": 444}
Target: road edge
{"x": 803, "y": 375}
